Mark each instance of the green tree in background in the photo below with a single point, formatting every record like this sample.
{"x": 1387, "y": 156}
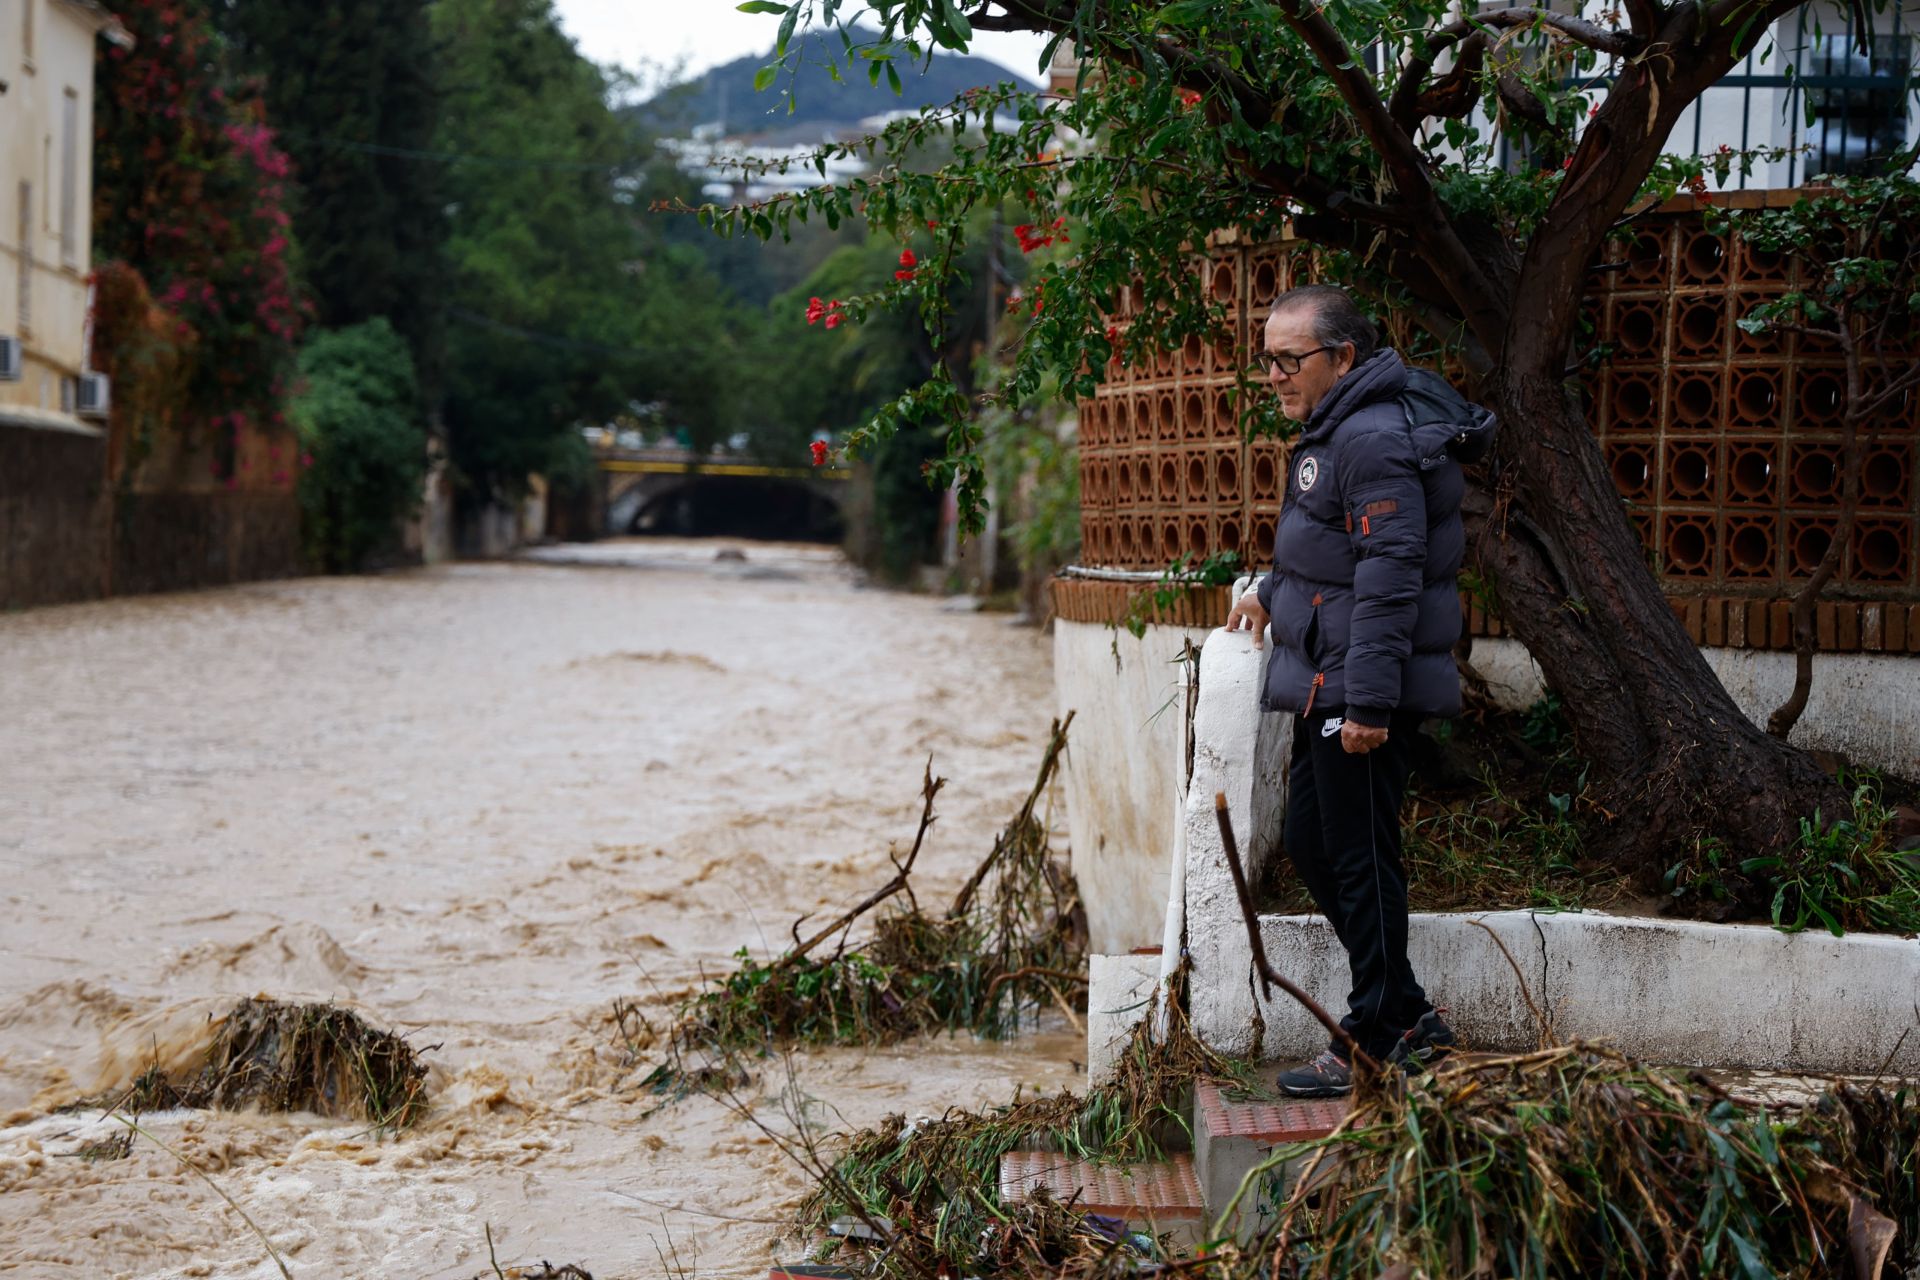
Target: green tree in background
{"x": 812, "y": 381}
{"x": 357, "y": 413}
{"x": 563, "y": 309}
{"x": 349, "y": 87}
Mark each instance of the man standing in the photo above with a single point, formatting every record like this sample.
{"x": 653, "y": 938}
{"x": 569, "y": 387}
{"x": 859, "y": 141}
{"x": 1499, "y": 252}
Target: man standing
{"x": 1365, "y": 610}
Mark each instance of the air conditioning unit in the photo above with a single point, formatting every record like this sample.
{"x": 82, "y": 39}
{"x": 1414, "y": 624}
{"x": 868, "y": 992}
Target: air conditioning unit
{"x": 10, "y": 359}
{"x": 95, "y": 396}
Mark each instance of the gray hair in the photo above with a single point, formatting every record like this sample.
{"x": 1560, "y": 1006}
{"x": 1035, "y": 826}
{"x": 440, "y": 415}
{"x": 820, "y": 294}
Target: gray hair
{"x": 1336, "y": 319}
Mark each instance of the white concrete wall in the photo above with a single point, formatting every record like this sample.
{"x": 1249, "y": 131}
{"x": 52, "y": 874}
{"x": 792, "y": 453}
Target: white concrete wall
{"x": 1122, "y": 771}
{"x": 1864, "y": 706}
{"x": 1675, "y": 991}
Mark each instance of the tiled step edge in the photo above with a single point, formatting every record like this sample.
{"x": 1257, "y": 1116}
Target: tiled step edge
{"x": 1162, "y": 1191}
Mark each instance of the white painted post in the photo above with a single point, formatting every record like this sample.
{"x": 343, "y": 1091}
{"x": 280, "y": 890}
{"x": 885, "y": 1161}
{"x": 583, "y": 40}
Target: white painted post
{"x": 1242, "y": 753}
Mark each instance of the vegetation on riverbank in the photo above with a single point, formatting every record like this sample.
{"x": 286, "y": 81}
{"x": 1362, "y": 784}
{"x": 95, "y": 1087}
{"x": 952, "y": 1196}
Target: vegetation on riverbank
{"x": 1570, "y": 1161}
{"x": 1501, "y": 814}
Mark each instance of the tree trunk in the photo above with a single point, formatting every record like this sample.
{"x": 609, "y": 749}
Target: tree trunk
{"x": 1674, "y": 760}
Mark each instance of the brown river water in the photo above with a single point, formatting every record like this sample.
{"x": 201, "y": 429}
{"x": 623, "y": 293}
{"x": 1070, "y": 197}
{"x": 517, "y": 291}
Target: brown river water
{"x": 477, "y": 804}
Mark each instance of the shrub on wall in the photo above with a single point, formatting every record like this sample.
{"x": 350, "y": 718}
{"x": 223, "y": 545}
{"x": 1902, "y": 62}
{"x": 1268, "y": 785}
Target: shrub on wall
{"x": 190, "y": 193}
{"x": 356, "y": 410}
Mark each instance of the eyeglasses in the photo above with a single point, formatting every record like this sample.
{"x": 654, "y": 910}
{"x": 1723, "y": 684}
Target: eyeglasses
{"x": 1287, "y": 362}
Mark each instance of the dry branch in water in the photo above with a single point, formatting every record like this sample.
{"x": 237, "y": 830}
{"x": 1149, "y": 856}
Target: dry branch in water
{"x": 1013, "y": 942}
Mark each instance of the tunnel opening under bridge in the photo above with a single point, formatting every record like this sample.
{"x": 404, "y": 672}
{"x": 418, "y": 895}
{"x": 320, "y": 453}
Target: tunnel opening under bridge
{"x": 768, "y": 508}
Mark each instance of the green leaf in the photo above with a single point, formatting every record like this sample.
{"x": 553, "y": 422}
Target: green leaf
{"x": 786, "y": 32}
{"x": 764, "y": 76}
{"x": 956, "y": 22}
{"x": 761, "y": 6}
{"x": 893, "y": 80}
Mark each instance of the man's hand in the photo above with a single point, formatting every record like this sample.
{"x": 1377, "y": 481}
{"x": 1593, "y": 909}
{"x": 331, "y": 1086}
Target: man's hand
{"x": 1358, "y": 739}
{"x": 1248, "y": 615}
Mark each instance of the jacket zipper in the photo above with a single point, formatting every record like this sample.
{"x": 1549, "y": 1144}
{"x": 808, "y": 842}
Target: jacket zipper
{"x": 1319, "y": 679}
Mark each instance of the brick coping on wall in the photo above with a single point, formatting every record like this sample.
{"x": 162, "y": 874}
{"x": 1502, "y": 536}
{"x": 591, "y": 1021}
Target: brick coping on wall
{"x": 1843, "y": 626}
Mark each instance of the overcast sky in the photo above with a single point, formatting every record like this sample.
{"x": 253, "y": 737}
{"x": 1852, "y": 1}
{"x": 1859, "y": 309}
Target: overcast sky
{"x": 651, "y": 35}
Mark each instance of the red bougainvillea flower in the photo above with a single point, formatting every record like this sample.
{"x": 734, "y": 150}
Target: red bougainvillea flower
{"x": 828, "y": 311}
{"x": 907, "y": 263}
{"x": 815, "y": 309}
{"x": 1033, "y": 237}
{"x": 1696, "y": 184}
{"x": 819, "y": 453}
{"x": 1113, "y": 333}
{"x": 834, "y": 318}
{"x": 1189, "y": 98}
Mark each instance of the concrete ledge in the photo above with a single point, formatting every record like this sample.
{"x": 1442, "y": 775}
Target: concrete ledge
{"x": 1665, "y": 990}
{"x": 1864, "y": 706}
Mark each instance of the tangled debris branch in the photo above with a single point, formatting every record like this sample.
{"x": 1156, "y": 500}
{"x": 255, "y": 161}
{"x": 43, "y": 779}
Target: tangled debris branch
{"x": 1012, "y": 943}
{"x": 291, "y": 1057}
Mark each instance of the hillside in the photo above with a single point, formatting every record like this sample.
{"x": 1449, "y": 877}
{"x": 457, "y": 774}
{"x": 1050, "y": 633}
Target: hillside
{"x": 726, "y": 94}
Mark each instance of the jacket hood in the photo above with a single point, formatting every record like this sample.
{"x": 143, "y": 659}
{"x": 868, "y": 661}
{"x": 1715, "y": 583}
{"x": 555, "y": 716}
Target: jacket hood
{"x": 1381, "y": 376}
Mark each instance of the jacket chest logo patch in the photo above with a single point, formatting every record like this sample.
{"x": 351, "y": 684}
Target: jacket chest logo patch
{"x": 1309, "y": 473}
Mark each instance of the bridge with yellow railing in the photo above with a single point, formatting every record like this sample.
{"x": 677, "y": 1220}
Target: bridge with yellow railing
{"x": 668, "y": 489}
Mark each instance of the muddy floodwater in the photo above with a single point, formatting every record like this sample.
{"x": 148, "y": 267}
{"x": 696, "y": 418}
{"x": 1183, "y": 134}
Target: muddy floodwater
{"x": 477, "y": 804}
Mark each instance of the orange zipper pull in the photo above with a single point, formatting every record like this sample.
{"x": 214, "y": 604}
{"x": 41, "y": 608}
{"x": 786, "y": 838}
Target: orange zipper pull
{"x": 1319, "y": 679}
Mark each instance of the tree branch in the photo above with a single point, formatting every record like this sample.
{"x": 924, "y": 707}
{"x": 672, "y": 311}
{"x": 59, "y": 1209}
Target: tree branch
{"x": 1439, "y": 242}
{"x": 1474, "y": 34}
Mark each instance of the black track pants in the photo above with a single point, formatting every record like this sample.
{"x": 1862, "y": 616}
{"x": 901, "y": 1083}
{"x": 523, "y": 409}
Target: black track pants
{"x": 1343, "y": 837}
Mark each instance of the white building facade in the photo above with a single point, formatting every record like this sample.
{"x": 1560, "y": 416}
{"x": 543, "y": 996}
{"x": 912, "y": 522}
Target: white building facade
{"x": 46, "y": 194}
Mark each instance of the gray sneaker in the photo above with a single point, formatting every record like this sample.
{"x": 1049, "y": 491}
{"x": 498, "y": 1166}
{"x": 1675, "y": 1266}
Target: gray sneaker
{"x": 1327, "y": 1076}
{"x": 1423, "y": 1044}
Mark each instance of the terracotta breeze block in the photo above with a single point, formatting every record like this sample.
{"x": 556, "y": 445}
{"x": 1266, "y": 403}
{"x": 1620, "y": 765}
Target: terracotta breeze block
{"x": 1780, "y": 624}
{"x": 1848, "y": 619}
{"x": 1268, "y": 1123}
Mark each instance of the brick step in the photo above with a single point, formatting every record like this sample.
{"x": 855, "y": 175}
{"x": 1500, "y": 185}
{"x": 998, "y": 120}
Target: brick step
{"x": 1227, "y": 1112}
{"x": 1234, "y": 1131}
{"x": 1158, "y": 1197}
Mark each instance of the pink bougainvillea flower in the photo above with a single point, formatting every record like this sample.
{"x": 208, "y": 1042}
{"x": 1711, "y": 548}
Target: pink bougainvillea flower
{"x": 819, "y": 453}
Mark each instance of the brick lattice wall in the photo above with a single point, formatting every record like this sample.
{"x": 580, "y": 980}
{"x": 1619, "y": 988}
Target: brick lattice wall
{"x": 1724, "y": 445}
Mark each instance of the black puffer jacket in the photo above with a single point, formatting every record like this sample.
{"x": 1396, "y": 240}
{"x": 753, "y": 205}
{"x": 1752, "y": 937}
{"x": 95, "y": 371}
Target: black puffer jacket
{"x": 1363, "y": 593}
